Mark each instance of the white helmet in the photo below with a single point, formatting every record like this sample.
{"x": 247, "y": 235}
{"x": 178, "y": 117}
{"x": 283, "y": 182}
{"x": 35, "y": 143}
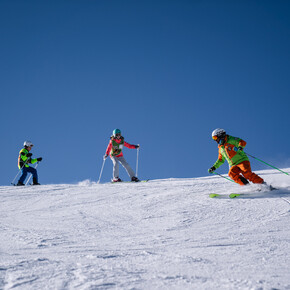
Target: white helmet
{"x": 219, "y": 133}
{"x": 27, "y": 144}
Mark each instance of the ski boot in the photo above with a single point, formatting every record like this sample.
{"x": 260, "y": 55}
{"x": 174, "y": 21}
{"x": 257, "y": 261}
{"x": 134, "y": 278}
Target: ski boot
{"x": 20, "y": 184}
{"x": 268, "y": 186}
{"x": 135, "y": 179}
{"x": 35, "y": 182}
{"x": 116, "y": 179}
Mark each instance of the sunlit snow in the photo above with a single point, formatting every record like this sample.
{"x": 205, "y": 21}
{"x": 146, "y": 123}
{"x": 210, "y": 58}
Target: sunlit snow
{"x": 163, "y": 234}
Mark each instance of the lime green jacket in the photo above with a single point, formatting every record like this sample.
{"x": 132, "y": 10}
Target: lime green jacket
{"x": 229, "y": 151}
{"x": 23, "y": 160}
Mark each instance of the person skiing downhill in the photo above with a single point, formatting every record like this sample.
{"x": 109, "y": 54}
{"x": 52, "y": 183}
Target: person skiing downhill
{"x": 23, "y": 164}
{"x": 114, "y": 149}
{"x": 231, "y": 149}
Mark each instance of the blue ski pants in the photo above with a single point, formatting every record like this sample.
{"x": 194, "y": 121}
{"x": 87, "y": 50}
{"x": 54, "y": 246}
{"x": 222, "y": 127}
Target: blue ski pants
{"x": 25, "y": 171}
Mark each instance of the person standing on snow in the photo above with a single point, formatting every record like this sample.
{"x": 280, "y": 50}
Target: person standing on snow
{"x": 23, "y": 160}
{"x": 231, "y": 149}
{"x": 114, "y": 149}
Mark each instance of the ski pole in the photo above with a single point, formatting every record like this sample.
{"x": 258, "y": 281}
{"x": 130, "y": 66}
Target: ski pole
{"x": 137, "y": 161}
{"x": 101, "y": 171}
{"x": 267, "y": 163}
{"x": 31, "y": 174}
{"x": 222, "y": 176}
{"x": 13, "y": 181}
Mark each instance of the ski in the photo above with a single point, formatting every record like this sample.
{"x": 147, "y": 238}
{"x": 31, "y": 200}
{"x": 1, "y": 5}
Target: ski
{"x": 213, "y": 195}
{"x": 235, "y": 195}
{"x": 231, "y": 195}
{"x": 145, "y": 180}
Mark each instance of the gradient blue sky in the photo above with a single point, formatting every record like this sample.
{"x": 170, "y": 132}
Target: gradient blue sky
{"x": 165, "y": 72}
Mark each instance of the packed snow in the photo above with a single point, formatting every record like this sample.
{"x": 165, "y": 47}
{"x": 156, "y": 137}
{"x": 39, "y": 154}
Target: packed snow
{"x": 161, "y": 234}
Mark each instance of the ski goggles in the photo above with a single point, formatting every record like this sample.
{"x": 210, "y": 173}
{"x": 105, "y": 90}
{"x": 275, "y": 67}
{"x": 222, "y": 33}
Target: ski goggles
{"x": 118, "y": 135}
{"x": 214, "y": 138}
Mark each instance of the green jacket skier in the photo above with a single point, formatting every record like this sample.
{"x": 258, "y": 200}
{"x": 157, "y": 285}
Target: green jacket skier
{"x": 231, "y": 149}
{"x": 23, "y": 164}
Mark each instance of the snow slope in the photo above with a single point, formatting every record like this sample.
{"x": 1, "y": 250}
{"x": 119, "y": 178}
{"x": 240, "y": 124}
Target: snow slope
{"x": 164, "y": 234}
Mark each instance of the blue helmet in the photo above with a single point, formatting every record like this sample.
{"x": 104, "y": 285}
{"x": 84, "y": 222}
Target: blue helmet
{"x": 116, "y": 131}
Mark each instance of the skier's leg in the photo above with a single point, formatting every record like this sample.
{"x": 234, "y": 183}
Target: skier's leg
{"x": 234, "y": 174}
{"x": 247, "y": 172}
{"x": 23, "y": 176}
{"x": 115, "y": 167}
{"x": 128, "y": 168}
{"x": 33, "y": 171}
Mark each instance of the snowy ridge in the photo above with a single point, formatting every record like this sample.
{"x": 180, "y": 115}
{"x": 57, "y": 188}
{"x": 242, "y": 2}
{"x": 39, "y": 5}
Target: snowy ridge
{"x": 164, "y": 234}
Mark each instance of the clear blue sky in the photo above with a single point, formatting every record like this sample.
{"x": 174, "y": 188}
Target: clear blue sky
{"x": 165, "y": 72}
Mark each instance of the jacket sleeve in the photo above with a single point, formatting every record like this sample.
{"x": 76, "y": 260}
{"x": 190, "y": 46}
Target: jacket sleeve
{"x": 109, "y": 148}
{"x": 23, "y": 156}
{"x": 237, "y": 142}
{"x": 220, "y": 161}
{"x": 242, "y": 143}
{"x": 130, "y": 146}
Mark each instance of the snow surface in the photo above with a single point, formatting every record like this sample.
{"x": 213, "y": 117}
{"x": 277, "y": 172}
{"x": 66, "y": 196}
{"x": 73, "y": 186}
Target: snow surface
{"x": 163, "y": 234}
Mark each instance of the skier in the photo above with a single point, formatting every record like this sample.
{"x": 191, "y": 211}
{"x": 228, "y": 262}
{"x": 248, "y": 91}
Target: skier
{"x": 114, "y": 149}
{"x": 231, "y": 149}
{"x": 23, "y": 160}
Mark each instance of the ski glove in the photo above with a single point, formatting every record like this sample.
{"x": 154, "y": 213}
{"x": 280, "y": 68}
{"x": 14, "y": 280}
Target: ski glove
{"x": 29, "y": 154}
{"x": 137, "y": 146}
{"x": 39, "y": 159}
{"x": 105, "y": 156}
{"x": 212, "y": 169}
{"x": 241, "y": 148}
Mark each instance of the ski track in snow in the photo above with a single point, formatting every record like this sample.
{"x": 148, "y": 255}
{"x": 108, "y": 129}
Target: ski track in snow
{"x": 164, "y": 234}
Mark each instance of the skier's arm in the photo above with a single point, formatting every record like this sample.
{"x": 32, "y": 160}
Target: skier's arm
{"x": 220, "y": 161}
{"x": 25, "y": 156}
{"x": 130, "y": 146}
{"x": 33, "y": 160}
{"x": 109, "y": 148}
{"x": 242, "y": 144}
{"x": 238, "y": 142}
